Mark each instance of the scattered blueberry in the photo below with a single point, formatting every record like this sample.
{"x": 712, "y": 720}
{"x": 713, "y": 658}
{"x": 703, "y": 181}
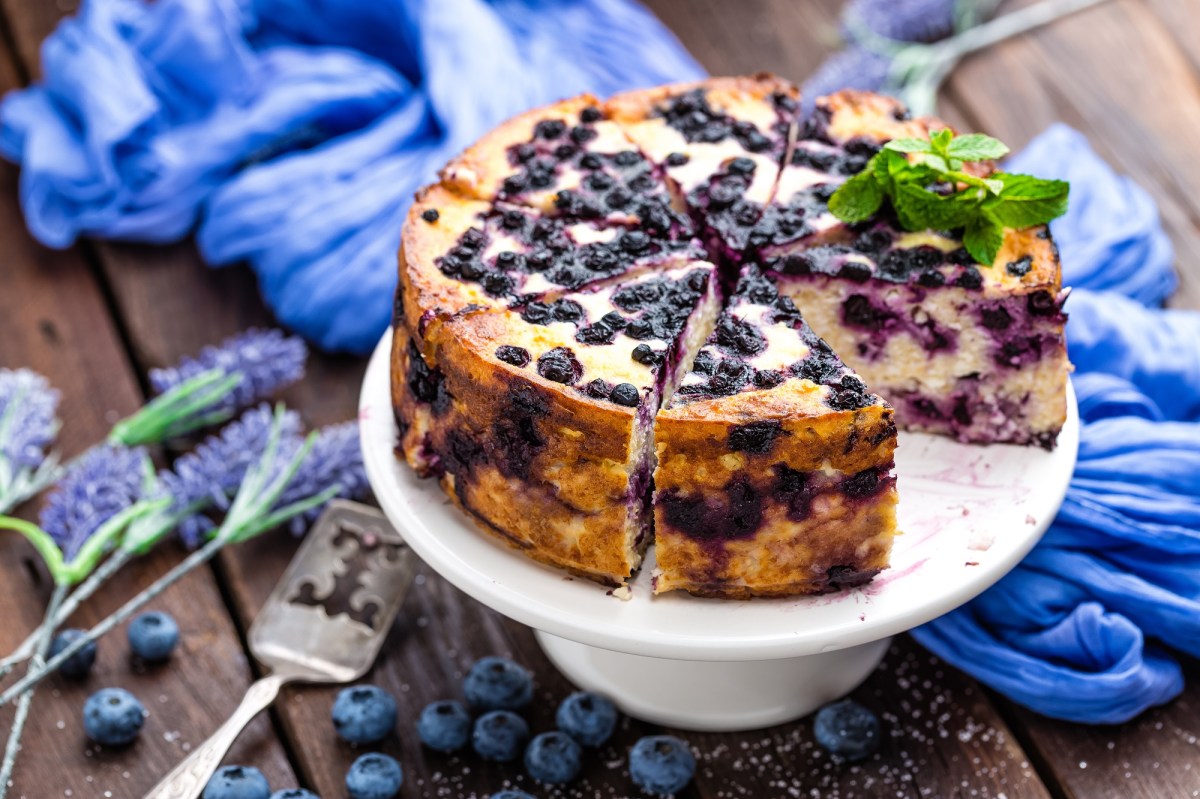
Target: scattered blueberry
{"x": 847, "y": 729}
{"x": 113, "y": 717}
{"x": 364, "y": 714}
{"x": 626, "y": 394}
{"x": 78, "y": 665}
{"x": 553, "y": 758}
{"x": 153, "y": 636}
{"x": 661, "y": 764}
{"x": 374, "y": 776}
{"x": 430, "y": 215}
{"x": 444, "y": 726}
{"x": 496, "y": 683}
{"x": 511, "y": 795}
{"x": 588, "y": 718}
{"x": 499, "y": 735}
{"x": 237, "y": 782}
{"x": 294, "y": 793}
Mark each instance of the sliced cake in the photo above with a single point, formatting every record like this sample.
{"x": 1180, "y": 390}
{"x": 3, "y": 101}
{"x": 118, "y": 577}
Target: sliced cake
{"x": 566, "y": 158}
{"x": 775, "y": 463}
{"x": 720, "y": 142}
{"x": 975, "y": 352}
{"x": 539, "y": 420}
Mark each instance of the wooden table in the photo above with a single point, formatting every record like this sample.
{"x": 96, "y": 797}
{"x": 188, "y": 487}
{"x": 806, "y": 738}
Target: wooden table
{"x": 96, "y": 317}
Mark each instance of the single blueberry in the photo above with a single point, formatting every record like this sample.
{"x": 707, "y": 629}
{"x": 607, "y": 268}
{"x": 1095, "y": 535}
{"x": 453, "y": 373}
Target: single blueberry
{"x": 625, "y": 394}
{"x": 153, "y": 636}
{"x": 516, "y": 356}
{"x": 499, "y": 735}
{"x": 661, "y": 764}
{"x": 444, "y": 726}
{"x": 113, "y": 717}
{"x": 847, "y": 729}
{"x": 294, "y": 793}
{"x": 374, "y": 776}
{"x": 78, "y": 665}
{"x": 430, "y": 215}
{"x": 364, "y": 714}
{"x": 237, "y": 782}
{"x": 553, "y": 758}
{"x": 496, "y": 683}
{"x": 588, "y": 718}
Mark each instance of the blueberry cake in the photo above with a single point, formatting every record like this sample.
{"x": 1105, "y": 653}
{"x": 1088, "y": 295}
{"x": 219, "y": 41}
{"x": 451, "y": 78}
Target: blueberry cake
{"x": 974, "y": 353}
{"x": 599, "y": 341}
{"x": 539, "y": 418}
{"x": 775, "y": 462}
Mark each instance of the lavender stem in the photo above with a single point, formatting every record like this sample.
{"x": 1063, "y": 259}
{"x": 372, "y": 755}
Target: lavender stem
{"x": 41, "y": 647}
{"x": 197, "y": 558}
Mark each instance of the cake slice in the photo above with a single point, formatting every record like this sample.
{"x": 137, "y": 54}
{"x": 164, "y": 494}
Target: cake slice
{"x": 459, "y": 253}
{"x": 974, "y": 352}
{"x": 539, "y": 419}
{"x": 721, "y": 143}
{"x": 775, "y": 463}
{"x": 566, "y": 158}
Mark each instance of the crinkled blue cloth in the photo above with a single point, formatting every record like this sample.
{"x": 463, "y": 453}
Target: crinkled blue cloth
{"x": 295, "y": 133}
{"x": 1084, "y": 627}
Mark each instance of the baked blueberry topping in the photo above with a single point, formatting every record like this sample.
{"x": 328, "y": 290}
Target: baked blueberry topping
{"x": 426, "y": 383}
{"x": 625, "y": 394}
{"x": 865, "y": 484}
{"x": 644, "y": 353}
{"x": 517, "y": 356}
{"x": 1020, "y": 267}
{"x": 550, "y": 128}
{"x": 995, "y": 318}
{"x": 738, "y": 337}
{"x": 768, "y": 378}
{"x": 677, "y": 159}
{"x": 1042, "y": 303}
{"x": 591, "y": 114}
{"x": 971, "y": 278}
{"x": 559, "y": 365}
{"x": 430, "y": 215}
{"x": 848, "y": 394}
{"x": 756, "y": 438}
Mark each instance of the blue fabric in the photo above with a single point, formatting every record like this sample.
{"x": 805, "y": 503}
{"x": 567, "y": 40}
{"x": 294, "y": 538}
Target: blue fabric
{"x": 1082, "y": 629}
{"x": 292, "y": 134}
{"x": 295, "y": 132}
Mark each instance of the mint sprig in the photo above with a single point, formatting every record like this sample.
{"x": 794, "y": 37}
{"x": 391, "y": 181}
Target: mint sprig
{"x": 929, "y": 189}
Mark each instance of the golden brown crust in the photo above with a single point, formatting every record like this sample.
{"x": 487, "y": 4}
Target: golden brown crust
{"x": 854, "y": 114}
{"x": 741, "y": 96}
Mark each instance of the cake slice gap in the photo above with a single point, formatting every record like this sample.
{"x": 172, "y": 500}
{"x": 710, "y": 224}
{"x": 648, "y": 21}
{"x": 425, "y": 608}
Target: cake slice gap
{"x": 966, "y": 350}
{"x": 539, "y": 419}
{"x": 775, "y": 463}
{"x": 721, "y": 143}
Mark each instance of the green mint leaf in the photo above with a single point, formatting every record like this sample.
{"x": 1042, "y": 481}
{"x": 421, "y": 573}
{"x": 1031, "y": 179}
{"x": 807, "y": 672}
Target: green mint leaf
{"x": 924, "y": 209}
{"x": 983, "y": 237}
{"x": 858, "y": 198}
{"x": 1027, "y": 201}
{"x": 908, "y": 145}
{"x": 940, "y": 141}
{"x": 977, "y": 147}
{"x": 935, "y": 162}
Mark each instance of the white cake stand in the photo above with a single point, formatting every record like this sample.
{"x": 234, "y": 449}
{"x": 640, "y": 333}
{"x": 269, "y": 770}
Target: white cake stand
{"x": 968, "y": 513}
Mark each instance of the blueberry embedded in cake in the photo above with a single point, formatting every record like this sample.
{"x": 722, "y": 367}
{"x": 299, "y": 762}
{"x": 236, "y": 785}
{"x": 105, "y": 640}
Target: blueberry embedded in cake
{"x": 720, "y": 143}
{"x": 459, "y": 253}
{"x": 565, "y": 159}
{"x": 775, "y": 462}
{"x": 968, "y": 350}
{"x": 539, "y": 419}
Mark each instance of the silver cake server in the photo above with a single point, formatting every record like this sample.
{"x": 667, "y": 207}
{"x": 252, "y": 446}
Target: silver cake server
{"x": 324, "y": 623}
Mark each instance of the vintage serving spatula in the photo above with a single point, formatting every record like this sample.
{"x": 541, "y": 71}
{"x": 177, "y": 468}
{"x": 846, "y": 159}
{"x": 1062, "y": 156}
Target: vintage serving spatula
{"x": 324, "y": 623}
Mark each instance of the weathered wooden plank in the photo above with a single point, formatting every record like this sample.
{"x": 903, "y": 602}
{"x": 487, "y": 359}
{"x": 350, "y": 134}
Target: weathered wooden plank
{"x": 1116, "y": 74}
{"x": 54, "y": 319}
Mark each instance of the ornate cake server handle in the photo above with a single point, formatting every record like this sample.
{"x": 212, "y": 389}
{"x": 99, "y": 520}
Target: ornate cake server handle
{"x": 189, "y": 778}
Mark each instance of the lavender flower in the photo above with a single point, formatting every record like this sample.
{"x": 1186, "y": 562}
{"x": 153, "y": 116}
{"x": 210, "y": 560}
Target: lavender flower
{"x": 852, "y": 68}
{"x": 335, "y": 460}
{"x": 103, "y": 483}
{"x": 212, "y": 473}
{"x": 266, "y": 360}
{"x": 27, "y": 418}
{"x": 902, "y": 20}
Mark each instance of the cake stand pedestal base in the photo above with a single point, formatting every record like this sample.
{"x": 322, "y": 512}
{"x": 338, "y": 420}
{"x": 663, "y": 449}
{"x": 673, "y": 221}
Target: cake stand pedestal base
{"x": 714, "y": 696}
